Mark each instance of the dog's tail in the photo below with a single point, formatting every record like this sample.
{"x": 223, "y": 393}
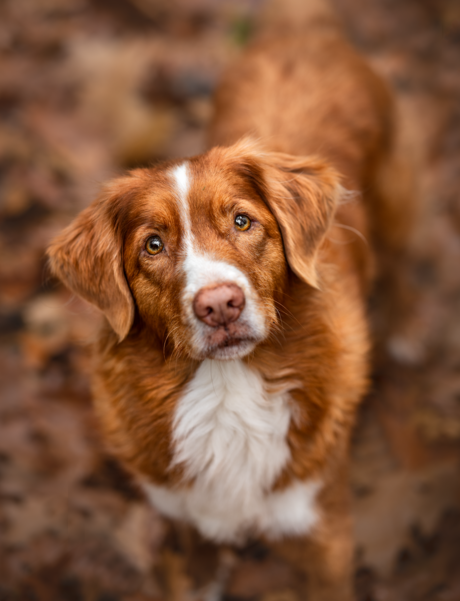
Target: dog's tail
{"x": 287, "y": 15}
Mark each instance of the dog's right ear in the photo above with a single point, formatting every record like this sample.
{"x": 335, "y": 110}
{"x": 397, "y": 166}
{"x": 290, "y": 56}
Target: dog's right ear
{"x": 88, "y": 256}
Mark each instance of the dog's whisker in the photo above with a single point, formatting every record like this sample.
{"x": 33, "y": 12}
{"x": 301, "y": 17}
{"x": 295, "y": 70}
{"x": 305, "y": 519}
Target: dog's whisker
{"x": 352, "y": 229}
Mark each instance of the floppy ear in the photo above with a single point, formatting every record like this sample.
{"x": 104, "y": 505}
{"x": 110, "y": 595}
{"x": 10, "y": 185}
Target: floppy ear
{"x": 302, "y": 194}
{"x": 88, "y": 257}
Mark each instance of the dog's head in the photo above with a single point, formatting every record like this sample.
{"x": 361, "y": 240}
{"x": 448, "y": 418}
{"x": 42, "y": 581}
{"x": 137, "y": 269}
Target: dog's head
{"x": 201, "y": 249}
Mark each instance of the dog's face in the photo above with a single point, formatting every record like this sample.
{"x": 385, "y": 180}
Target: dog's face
{"x": 200, "y": 248}
{"x": 206, "y": 262}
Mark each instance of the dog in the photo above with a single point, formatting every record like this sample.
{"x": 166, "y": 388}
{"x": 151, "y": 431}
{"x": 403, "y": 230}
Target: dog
{"x": 235, "y": 350}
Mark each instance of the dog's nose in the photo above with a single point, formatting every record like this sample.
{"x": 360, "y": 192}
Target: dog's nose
{"x": 219, "y": 306}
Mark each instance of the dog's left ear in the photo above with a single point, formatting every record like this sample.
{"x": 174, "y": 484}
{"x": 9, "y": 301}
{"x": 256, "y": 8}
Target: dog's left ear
{"x": 88, "y": 256}
{"x": 302, "y": 194}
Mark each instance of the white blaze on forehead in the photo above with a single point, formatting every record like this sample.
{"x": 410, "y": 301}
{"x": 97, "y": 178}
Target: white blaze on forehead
{"x": 181, "y": 179}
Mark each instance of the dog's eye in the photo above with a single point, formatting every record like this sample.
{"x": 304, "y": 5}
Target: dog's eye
{"x": 154, "y": 245}
{"x": 242, "y": 223}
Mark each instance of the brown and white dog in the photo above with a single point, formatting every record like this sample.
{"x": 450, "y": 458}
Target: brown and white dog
{"x": 235, "y": 350}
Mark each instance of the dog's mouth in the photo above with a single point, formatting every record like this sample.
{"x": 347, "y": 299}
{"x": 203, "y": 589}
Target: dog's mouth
{"x": 229, "y": 342}
{"x": 232, "y": 349}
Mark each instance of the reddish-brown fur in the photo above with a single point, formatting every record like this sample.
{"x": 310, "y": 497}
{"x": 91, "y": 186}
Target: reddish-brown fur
{"x": 300, "y": 95}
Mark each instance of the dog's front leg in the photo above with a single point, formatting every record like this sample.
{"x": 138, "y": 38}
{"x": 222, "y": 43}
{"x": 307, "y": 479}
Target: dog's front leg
{"x": 328, "y": 562}
{"x": 323, "y": 559}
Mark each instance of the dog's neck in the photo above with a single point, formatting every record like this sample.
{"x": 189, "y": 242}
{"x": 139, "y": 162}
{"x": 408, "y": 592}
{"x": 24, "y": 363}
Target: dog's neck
{"x": 230, "y": 440}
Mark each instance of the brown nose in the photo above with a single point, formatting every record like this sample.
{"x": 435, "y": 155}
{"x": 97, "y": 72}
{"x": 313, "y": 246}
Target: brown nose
{"x": 219, "y": 306}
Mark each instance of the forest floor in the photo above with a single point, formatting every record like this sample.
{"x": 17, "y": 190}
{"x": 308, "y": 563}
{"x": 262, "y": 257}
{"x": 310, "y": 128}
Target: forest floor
{"x": 91, "y": 87}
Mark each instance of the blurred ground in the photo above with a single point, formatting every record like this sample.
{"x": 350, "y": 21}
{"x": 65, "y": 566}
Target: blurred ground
{"x": 90, "y": 87}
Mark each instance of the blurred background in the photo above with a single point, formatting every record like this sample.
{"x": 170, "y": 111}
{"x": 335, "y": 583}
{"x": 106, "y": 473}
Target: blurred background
{"x": 91, "y": 87}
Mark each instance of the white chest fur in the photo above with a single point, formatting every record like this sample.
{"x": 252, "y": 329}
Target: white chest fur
{"x": 229, "y": 435}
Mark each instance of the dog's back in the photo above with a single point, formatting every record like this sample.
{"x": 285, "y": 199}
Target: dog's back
{"x": 301, "y": 88}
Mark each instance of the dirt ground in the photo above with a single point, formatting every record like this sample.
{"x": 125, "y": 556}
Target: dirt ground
{"x": 91, "y": 87}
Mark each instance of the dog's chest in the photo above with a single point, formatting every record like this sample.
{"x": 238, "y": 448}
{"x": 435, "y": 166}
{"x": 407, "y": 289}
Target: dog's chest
{"x": 230, "y": 437}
